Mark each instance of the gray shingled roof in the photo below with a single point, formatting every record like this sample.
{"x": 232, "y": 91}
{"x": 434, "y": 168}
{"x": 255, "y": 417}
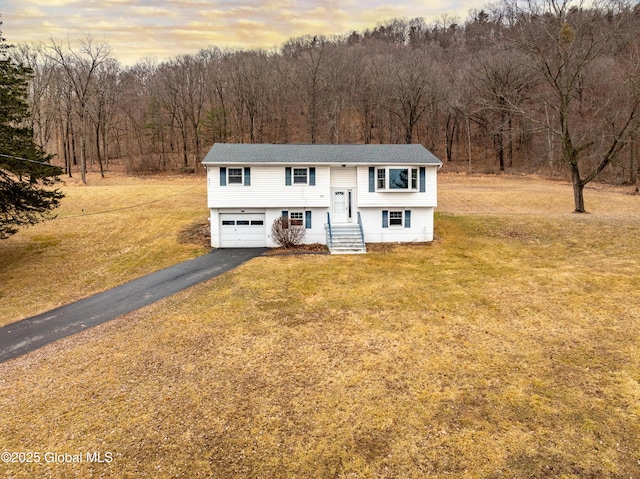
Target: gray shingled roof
{"x": 228, "y": 153}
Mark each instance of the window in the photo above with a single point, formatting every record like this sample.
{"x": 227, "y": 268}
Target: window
{"x": 382, "y": 176}
{"x": 299, "y": 176}
{"x": 295, "y": 217}
{"x": 397, "y": 179}
{"x": 298, "y": 218}
{"x": 235, "y": 176}
{"x": 395, "y": 218}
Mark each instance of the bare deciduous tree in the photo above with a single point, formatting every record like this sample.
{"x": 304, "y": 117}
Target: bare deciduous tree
{"x": 80, "y": 68}
{"x": 564, "y": 42}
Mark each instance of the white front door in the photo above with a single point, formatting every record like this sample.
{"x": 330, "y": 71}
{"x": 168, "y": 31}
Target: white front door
{"x": 341, "y": 205}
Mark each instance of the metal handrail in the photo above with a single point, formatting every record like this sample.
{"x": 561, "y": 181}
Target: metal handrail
{"x": 330, "y": 239}
{"x": 361, "y": 229}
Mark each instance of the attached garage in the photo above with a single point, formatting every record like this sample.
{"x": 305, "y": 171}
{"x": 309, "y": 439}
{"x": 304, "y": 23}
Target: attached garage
{"x": 242, "y": 230}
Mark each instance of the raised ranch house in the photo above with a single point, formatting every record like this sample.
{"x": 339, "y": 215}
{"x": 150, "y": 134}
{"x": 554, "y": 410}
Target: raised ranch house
{"x": 344, "y": 195}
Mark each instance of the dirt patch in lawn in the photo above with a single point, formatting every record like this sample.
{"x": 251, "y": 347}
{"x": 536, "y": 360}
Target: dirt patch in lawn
{"x": 198, "y": 233}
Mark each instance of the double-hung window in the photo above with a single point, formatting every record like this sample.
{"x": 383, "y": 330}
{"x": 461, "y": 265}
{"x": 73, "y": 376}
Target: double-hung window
{"x": 298, "y": 218}
{"x": 396, "y": 218}
{"x": 299, "y": 176}
{"x": 235, "y": 176}
{"x": 382, "y": 178}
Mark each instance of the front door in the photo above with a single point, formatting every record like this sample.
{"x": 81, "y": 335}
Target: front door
{"x": 341, "y": 205}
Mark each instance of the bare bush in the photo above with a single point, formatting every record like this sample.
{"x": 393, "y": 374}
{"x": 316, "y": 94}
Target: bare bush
{"x": 286, "y": 233}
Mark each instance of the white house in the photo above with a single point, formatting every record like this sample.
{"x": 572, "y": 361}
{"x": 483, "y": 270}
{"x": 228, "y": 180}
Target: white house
{"x": 345, "y": 195}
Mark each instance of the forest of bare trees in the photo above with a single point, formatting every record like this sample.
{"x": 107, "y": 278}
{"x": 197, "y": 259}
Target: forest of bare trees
{"x": 548, "y": 87}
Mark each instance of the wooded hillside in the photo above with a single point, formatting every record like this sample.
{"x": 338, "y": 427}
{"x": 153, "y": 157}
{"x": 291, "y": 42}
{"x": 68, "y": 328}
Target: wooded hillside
{"x": 534, "y": 88}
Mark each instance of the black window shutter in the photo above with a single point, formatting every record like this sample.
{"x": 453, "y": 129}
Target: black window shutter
{"x": 287, "y": 176}
{"x": 285, "y": 214}
{"x": 385, "y": 218}
{"x": 372, "y": 179}
{"x": 407, "y": 219}
{"x": 423, "y": 179}
{"x": 247, "y": 176}
{"x": 307, "y": 219}
{"x": 312, "y": 176}
{"x": 223, "y": 176}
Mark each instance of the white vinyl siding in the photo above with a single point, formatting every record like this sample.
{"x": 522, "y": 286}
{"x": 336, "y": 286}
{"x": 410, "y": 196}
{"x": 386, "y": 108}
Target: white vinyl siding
{"x": 421, "y": 229}
{"x": 343, "y": 177}
{"x": 267, "y": 190}
{"x": 396, "y": 199}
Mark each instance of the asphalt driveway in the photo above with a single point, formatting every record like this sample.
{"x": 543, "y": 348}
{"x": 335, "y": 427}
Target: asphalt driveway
{"x": 32, "y": 333}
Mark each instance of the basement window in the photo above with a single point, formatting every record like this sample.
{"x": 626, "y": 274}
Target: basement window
{"x": 296, "y": 218}
{"x": 395, "y": 218}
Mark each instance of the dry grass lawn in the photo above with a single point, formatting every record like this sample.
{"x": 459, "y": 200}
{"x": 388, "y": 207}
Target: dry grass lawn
{"x": 509, "y": 347}
{"x": 114, "y": 230}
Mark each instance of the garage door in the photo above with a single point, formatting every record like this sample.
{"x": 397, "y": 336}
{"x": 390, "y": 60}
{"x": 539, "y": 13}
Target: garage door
{"x": 242, "y": 231}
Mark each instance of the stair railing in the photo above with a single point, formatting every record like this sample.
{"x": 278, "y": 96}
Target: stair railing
{"x": 329, "y": 234}
{"x": 361, "y": 229}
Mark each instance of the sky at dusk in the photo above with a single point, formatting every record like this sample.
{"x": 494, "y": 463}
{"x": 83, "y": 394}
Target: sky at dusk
{"x": 161, "y": 29}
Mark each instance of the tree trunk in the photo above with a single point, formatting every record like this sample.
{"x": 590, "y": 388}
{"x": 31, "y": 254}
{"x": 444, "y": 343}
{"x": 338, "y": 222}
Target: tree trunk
{"x": 469, "y": 141}
{"x": 633, "y": 164}
{"x": 408, "y": 135}
{"x": 105, "y": 151}
{"x": 450, "y": 134}
{"x": 578, "y": 190}
{"x": 498, "y": 142}
{"x": 98, "y": 151}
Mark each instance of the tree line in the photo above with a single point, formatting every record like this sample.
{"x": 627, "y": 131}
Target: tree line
{"x": 545, "y": 85}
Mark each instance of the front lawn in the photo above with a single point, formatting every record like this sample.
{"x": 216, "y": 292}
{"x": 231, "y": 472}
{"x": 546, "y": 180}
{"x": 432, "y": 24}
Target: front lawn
{"x": 508, "y": 347}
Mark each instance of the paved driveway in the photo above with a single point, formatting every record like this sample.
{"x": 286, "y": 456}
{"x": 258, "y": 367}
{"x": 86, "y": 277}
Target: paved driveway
{"x": 32, "y": 333}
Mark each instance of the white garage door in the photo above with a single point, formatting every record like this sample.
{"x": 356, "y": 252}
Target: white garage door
{"x": 242, "y": 230}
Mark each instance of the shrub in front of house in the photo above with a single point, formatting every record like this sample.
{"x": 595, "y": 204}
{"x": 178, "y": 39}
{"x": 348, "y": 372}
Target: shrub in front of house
{"x": 287, "y": 233}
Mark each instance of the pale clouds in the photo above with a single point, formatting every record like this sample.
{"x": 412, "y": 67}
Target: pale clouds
{"x": 137, "y": 29}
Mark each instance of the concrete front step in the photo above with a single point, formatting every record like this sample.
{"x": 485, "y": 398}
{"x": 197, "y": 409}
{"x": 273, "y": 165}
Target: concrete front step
{"x": 347, "y": 239}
